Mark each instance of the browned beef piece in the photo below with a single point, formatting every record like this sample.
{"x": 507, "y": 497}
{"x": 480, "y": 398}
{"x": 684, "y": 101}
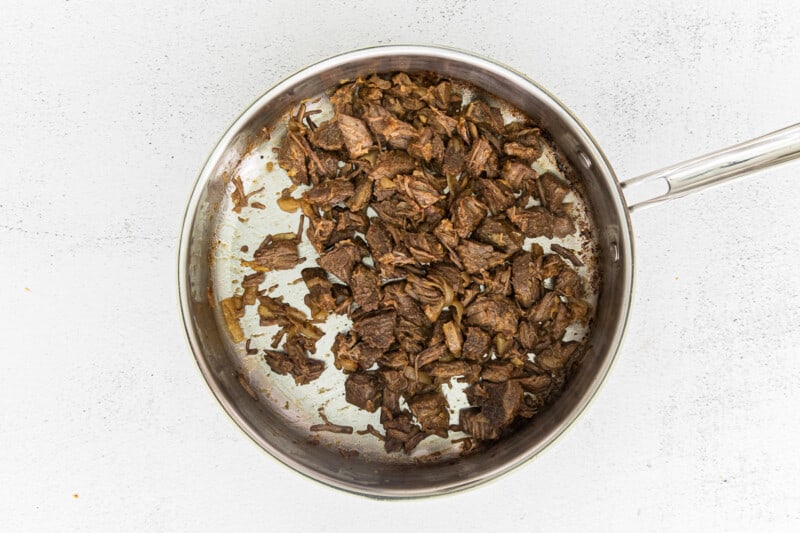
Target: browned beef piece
{"x": 379, "y": 239}
{"x": 361, "y": 195}
{"x": 467, "y": 213}
{"x": 533, "y": 222}
{"x": 292, "y": 159}
{"x": 569, "y": 284}
{"x": 396, "y": 211}
{"x": 536, "y": 383}
{"x": 355, "y": 134}
{"x": 424, "y": 247}
{"x": 476, "y": 344}
{"x": 545, "y": 309}
{"x": 499, "y": 371}
{"x": 342, "y": 99}
{"x": 294, "y": 361}
{"x": 499, "y": 233}
{"x": 450, "y": 369}
{"x": 554, "y": 191}
{"x": 279, "y": 362}
{"x": 476, "y": 256}
{"x": 419, "y": 189}
{"x": 327, "y": 136}
{"x": 499, "y": 282}
{"x": 427, "y": 146}
{"x": 348, "y": 222}
{"x": 439, "y": 95}
{"x": 430, "y": 409}
{"x": 499, "y": 402}
{"x": 366, "y": 287}
{"x": 394, "y": 380}
{"x": 554, "y": 358}
{"x": 446, "y": 234}
{"x": 493, "y": 313}
{"x": 528, "y": 335}
{"x": 275, "y": 254}
{"x": 392, "y": 163}
{"x": 394, "y": 385}
{"x": 394, "y": 131}
{"x": 519, "y": 176}
{"x": 495, "y": 194}
{"x": 529, "y": 137}
{"x": 395, "y": 296}
{"x": 330, "y": 192}
{"x": 342, "y": 259}
{"x": 447, "y": 274}
{"x": 455, "y": 158}
{"x": 529, "y": 154}
{"x": 430, "y": 355}
{"x": 364, "y": 389}
{"x": 320, "y": 232}
{"x": 395, "y": 359}
{"x": 401, "y": 432}
{"x": 319, "y": 298}
{"x": 527, "y": 288}
{"x": 482, "y": 159}
{"x": 481, "y": 114}
{"x": 413, "y": 338}
{"x": 563, "y": 225}
{"x": 475, "y": 423}
{"x": 376, "y": 329}
{"x": 552, "y": 265}
{"x": 441, "y": 123}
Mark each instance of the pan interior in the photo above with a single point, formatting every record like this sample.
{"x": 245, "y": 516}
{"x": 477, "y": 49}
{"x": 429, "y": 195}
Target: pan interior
{"x": 274, "y": 411}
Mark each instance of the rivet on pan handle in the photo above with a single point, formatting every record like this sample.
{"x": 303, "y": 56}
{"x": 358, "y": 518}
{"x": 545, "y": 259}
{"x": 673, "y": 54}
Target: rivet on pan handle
{"x": 712, "y": 169}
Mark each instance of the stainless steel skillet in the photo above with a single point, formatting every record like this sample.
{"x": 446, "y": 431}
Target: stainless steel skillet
{"x": 611, "y": 203}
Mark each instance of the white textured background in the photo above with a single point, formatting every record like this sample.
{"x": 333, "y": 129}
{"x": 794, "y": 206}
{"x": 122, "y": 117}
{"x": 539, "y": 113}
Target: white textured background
{"x": 107, "y": 113}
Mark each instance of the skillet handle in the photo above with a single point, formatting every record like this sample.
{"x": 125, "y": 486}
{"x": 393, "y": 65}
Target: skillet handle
{"x": 712, "y": 169}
